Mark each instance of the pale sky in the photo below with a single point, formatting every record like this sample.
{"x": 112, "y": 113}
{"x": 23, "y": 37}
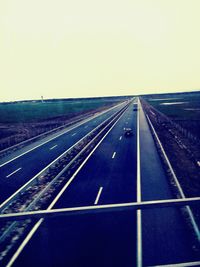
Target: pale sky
{"x": 80, "y": 48}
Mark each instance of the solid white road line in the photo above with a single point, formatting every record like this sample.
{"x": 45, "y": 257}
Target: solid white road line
{"x": 191, "y": 216}
{"x": 68, "y": 130}
{"x": 120, "y": 138}
{"x": 13, "y": 173}
{"x": 184, "y": 264}
{"x": 138, "y": 159}
{"x": 53, "y": 147}
{"x": 36, "y": 226}
{"x": 73, "y": 134}
{"x": 113, "y": 156}
{"x": 98, "y": 196}
{"x": 139, "y": 214}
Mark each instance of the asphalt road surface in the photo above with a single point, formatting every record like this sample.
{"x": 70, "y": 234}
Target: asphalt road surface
{"x": 111, "y": 175}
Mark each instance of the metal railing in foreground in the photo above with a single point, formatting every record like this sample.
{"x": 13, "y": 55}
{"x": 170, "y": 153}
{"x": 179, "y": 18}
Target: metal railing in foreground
{"x": 100, "y": 208}
{"x": 183, "y": 264}
{"x": 42, "y": 214}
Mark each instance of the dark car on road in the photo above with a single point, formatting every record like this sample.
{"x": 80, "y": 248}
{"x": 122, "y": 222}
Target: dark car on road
{"x": 135, "y": 108}
{"x": 128, "y": 132}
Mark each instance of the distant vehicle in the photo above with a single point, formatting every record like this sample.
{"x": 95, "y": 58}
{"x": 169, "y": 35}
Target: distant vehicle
{"x": 135, "y": 108}
{"x": 128, "y": 132}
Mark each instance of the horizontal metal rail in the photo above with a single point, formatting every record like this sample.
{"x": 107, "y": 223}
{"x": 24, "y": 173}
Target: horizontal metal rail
{"x": 184, "y": 264}
{"x": 100, "y": 208}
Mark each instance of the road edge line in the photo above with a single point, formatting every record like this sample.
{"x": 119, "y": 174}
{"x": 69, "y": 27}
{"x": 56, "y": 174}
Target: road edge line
{"x": 139, "y": 212}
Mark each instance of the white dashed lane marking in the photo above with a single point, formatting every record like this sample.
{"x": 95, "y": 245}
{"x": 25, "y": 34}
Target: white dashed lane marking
{"x": 13, "y": 173}
{"x": 98, "y": 196}
{"x": 53, "y": 147}
{"x": 113, "y": 156}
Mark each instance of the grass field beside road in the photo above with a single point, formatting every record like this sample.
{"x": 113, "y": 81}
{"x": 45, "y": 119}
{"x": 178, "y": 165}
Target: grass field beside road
{"x": 177, "y": 106}
{"x": 22, "y": 112}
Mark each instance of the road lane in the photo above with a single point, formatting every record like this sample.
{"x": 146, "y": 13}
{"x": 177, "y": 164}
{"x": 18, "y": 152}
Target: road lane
{"x": 83, "y": 241}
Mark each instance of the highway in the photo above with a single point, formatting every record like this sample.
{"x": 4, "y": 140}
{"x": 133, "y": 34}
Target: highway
{"x": 111, "y": 175}
{"x": 16, "y": 170}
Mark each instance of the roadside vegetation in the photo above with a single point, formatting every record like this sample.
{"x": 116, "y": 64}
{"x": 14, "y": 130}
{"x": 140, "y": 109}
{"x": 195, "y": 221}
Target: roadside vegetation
{"x": 183, "y": 108}
{"x": 37, "y": 111}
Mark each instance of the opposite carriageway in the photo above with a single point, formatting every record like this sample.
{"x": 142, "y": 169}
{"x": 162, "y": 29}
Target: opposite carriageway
{"x": 18, "y": 170}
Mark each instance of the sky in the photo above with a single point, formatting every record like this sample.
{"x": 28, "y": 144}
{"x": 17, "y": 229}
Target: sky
{"x": 81, "y": 48}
